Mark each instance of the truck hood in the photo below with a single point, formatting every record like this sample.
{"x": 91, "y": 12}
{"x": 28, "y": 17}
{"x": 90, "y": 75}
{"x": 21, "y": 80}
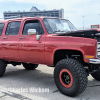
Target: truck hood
{"x": 95, "y": 34}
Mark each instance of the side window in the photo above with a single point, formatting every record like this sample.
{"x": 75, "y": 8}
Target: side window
{"x": 1, "y": 27}
{"x": 13, "y": 28}
{"x": 33, "y": 24}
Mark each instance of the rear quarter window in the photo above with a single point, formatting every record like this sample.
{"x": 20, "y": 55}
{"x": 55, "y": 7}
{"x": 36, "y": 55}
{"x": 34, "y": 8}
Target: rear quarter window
{"x": 1, "y": 28}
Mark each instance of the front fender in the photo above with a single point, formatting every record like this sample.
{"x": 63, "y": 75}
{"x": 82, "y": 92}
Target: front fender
{"x": 85, "y": 45}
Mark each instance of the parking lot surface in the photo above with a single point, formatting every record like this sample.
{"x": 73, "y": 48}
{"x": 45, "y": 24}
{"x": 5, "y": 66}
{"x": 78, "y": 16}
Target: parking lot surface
{"x": 21, "y": 84}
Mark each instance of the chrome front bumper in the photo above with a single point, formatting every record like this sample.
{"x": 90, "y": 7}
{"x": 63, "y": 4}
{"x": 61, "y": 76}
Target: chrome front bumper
{"x": 94, "y": 61}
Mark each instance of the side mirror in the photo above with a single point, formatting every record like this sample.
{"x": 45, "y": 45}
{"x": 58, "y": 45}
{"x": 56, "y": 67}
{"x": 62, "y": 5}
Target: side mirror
{"x": 31, "y": 31}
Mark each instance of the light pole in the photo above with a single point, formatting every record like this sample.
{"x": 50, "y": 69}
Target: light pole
{"x": 83, "y": 22}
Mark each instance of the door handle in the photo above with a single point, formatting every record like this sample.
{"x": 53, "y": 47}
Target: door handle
{"x": 5, "y": 37}
{"x": 21, "y": 37}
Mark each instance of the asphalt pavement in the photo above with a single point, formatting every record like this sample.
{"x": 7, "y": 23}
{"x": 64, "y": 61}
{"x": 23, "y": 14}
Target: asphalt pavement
{"x": 21, "y": 84}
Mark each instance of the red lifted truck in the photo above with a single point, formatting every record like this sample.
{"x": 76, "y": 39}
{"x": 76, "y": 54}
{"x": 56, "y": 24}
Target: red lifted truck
{"x": 54, "y": 42}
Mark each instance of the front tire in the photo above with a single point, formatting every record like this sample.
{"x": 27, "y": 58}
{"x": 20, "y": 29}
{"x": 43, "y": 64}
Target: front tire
{"x": 70, "y": 77}
{"x": 30, "y": 66}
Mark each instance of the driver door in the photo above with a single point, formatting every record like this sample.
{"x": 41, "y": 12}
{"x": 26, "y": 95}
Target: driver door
{"x": 31, "y": 50}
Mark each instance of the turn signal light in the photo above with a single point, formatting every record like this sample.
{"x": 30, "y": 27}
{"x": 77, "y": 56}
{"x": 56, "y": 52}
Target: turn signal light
{"x": 89, "y": 57}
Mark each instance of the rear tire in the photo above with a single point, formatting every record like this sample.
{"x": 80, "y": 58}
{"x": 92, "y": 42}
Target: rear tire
{"x": 2, "y": 67}
{"x": 70, "y": 77}
{"x": 30, "y": 66}
{"x": 96, "y": 75}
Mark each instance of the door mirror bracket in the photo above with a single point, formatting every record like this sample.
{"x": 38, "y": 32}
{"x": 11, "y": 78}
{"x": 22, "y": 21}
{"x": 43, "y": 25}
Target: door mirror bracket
{"x": 38, "y": 37}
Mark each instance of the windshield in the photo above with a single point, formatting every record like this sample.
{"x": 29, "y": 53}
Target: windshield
{"x": 54, "y": 25}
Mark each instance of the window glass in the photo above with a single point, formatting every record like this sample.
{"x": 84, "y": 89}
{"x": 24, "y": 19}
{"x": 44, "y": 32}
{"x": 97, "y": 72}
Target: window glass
{"x": 1, "y": 27}
{"x": 33, "y": 24}
{"x": 55, "y": 25}
{"x": 13, "y": 28}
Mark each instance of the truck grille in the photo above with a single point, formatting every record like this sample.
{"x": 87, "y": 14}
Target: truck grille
{"x": 98, "y": 49}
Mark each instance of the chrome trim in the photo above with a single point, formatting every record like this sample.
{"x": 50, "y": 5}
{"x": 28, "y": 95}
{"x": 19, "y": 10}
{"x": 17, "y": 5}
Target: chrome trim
{"x": 31, "y": 31}
{"x": 97, "y": 34}
{"x": 94, "y": 61}
{"x": 98, "y": 49}
{"x": 38, "y": 37}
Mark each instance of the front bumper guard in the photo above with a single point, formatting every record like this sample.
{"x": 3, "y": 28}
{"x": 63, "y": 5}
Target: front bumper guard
{"x": 94, "y": 61}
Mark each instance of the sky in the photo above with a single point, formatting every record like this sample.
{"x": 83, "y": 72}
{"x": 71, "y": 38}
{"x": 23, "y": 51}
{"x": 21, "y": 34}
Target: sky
{"x": 73, "y": 9}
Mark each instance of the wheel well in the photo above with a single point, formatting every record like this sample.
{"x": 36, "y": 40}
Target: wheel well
{"x": 62, "y": 54}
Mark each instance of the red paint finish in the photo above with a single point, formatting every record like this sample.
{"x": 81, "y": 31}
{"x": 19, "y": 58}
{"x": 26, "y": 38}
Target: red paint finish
{"x": 71, "y": 77}
{"x": 29, "y": 50}
{"x": 10, "y": 45}
{"x": 85, "y": 45}
{"x": 1, "y": 36}
{"x": 32, "y": 50}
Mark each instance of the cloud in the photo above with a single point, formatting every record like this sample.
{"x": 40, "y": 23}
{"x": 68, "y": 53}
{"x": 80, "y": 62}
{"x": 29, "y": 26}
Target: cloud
{"x": 77, "y": 7}
{"x": 50, "y": 3}
{"x": 74, "y": 6}
{"x": 74, "y": 9}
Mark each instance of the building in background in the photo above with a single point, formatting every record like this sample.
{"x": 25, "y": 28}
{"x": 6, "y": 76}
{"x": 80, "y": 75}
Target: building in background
{"x": 34, "y": 12}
